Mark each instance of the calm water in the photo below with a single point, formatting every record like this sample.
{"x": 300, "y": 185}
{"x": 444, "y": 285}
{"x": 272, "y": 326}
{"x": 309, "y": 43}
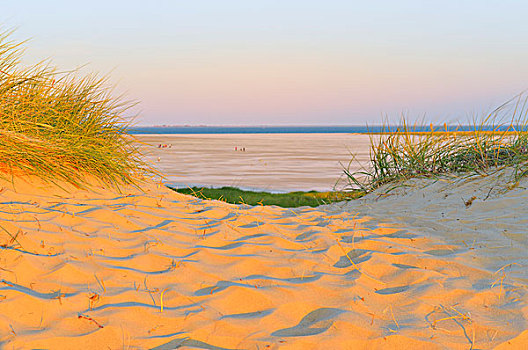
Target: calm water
{"x": 272, "y": 162}
{"x": 285, "y": 158}
{"x": 277, "y": 129}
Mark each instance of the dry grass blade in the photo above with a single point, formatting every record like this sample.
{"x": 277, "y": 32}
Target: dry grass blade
{"x": 62, "y": 127}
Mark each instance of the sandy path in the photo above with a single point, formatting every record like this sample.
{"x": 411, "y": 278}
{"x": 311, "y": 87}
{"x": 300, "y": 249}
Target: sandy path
{"x": 93, "y": 269}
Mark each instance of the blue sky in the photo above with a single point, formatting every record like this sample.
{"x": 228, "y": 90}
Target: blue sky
{"x": 287, "y": 62}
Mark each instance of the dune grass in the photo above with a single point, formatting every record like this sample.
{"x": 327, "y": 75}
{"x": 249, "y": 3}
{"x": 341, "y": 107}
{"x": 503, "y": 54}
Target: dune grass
{"x": 287, "y": 200}
{"x": 59, "y": 126}
{"x": 499, "y": 139}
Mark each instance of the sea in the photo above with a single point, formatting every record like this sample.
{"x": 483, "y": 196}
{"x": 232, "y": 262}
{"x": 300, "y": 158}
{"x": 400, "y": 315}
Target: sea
{"x": 289, "y": 129}
{"x": 260, "y": 158}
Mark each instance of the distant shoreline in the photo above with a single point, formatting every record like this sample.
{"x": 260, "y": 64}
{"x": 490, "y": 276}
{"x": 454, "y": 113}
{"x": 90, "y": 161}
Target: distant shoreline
{"x": 299, "y": 129}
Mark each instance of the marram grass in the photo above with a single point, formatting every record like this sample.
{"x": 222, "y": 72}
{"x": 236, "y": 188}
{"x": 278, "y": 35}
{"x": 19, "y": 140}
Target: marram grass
{"x": 60, "y": 126}
{"x": 500, "y": 139}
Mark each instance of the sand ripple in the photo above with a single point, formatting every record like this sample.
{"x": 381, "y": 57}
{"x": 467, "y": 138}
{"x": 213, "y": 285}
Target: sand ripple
{"x": 160, "y": 270}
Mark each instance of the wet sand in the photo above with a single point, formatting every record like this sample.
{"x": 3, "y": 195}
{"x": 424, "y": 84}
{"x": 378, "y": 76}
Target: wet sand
{"x": 160, "y": 270}
{"x": 271, "y": 162}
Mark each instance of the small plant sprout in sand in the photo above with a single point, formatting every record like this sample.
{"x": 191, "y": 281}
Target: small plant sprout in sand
{"x": 502, "y": 275}
{"x": 454, "y": 315}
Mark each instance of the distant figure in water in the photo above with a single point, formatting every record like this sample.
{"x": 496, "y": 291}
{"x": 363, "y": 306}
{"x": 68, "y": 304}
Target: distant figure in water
{"x": 159, "y": 146}
{"x": 244, "y": 149}
{"x": 235, "y": 148}
{"x": 159, "y": 159}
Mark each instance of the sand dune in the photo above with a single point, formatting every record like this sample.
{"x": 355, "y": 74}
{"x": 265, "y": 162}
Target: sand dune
{"x": 156, "y": 269}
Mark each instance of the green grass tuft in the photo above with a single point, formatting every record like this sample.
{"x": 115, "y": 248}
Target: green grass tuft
{"x": 286, "y": 200}
{"x": 59, "y": 126}
{"x": 498, "y": 140}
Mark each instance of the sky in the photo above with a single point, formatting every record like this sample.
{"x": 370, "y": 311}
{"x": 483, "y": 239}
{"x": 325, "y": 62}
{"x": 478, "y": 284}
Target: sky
{"x": 289, "y": 62}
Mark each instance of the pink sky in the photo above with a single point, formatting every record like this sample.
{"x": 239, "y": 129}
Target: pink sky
{"x": 296, "y": 62}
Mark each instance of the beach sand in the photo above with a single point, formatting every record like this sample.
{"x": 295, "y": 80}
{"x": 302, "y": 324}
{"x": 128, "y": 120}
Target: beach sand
{"x": 154, "y": 269}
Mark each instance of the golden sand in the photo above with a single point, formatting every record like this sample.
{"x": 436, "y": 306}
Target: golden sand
{"x": 102, "y": 269}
